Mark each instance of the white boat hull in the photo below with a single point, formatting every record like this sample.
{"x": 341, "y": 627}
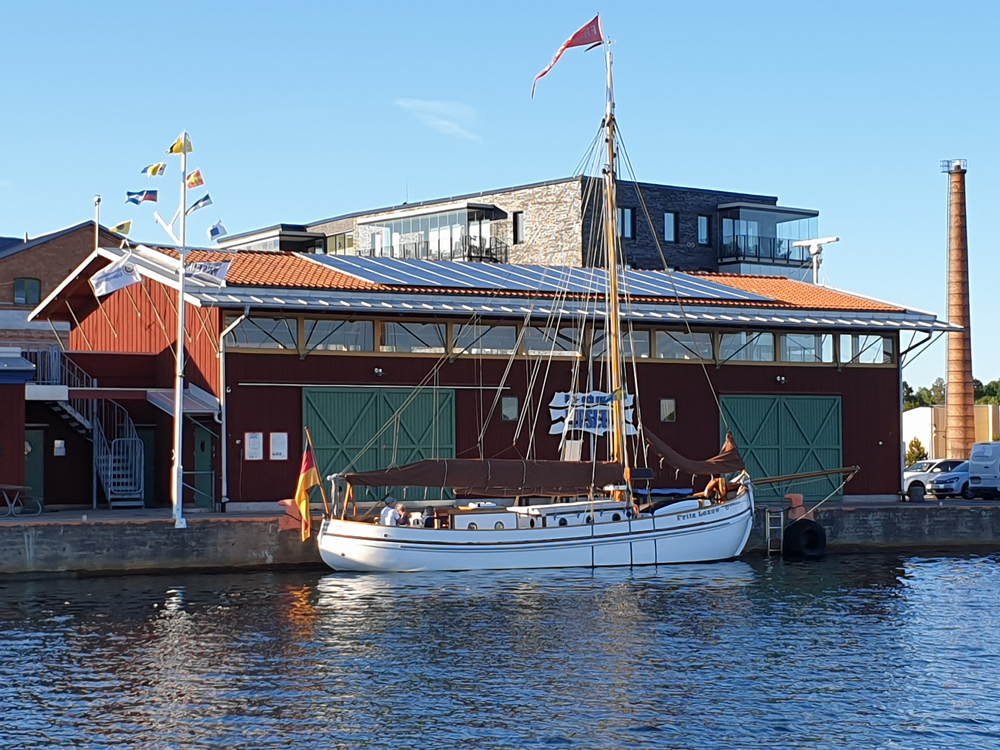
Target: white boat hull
{"x": 716, "y": 532}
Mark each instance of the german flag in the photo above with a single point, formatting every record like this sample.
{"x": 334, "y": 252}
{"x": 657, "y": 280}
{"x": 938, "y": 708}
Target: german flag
{"x": 308, "y": 478}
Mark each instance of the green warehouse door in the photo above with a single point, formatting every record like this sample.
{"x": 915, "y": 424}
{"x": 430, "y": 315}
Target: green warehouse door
{"x": 344, "y": 421}
{"x": 780, "y": 435}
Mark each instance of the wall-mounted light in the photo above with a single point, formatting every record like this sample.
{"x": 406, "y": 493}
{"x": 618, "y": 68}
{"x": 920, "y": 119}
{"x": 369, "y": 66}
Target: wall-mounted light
{"x": 781, "y": 379}
{"x": 378, "y": 372}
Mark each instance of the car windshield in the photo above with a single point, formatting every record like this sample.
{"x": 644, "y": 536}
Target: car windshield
{"x": 921, "y": 466}
{"x": 964, "y": 466}
{"x": 946, "y": 466}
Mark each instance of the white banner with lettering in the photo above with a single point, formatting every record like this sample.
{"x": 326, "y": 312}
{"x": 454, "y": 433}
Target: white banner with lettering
{"x": 590, "y": 412}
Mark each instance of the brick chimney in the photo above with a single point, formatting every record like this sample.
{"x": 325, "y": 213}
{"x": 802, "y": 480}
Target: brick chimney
{"x": 961, "y": 426}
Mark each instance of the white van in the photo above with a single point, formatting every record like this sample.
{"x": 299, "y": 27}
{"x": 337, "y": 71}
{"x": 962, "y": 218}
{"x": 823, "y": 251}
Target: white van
{"x": 984, "y": 470}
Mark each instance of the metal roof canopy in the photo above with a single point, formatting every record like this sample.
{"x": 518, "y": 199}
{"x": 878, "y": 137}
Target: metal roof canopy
{"x": 369, "y": 303}
{"x": 196, "y": 400}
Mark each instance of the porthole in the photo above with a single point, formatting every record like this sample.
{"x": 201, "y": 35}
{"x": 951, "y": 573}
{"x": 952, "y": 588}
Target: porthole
{"x": 498, "y": 525}
{"x": 531, "y": 523}
{"x": 616, "y": 517}
{"x": 563, "y": 522}
{"x": 473, "y": 526}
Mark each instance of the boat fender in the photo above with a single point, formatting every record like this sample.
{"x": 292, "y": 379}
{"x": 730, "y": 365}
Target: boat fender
{"x": 804, "y": 540}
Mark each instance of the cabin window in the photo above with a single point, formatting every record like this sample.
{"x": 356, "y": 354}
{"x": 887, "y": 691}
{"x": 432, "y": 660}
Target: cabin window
{"x": 419, "y": 338}
{"x": 265, "y": 333}
{"x": 746, "y": 346}
{"x": 545, "y": 341}
{"x": 683, "y": 345}
{"x": 626, "y": 223}
{"x": 863, "y": 349}
{"x": 703, "y": 233}
{"x": 480, "y": 339}
{"x": 509, "y": 409}
{"x": 518, "y": 227}
{"x": 339, "y": 335}
{"x": 807, "y": 347}
{"x": 669, "y": 227}
{"x": 668, "y": 410}
{"x": 27, "y": 291}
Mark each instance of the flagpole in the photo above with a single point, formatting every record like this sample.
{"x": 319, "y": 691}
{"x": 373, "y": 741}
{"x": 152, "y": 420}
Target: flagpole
{"x": 97, "y": 222}
{"x": 177, "y": 479}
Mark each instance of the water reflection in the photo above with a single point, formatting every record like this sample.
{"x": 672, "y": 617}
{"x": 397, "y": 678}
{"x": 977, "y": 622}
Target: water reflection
{"x": 866, "y": 651}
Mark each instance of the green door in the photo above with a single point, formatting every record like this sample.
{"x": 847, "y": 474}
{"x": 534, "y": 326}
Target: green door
{"x": 34, "y": 464}
{"x": 780, "y": 435}
{"x": 204, "y": 479}
{"x": 344, "y": 423}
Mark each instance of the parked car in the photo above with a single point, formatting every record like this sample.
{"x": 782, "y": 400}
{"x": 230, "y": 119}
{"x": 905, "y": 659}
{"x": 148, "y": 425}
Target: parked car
{"x": 918, "y": 476}
{"x": 952, "y": 483}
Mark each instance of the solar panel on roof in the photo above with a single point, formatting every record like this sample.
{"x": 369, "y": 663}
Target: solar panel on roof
{"x": 517, "y": 278}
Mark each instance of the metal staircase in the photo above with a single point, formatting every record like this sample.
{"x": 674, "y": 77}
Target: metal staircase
{"x": 118, "y": 450}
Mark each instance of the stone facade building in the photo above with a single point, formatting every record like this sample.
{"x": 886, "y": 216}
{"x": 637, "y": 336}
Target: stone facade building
{"x": 551, "y": 223}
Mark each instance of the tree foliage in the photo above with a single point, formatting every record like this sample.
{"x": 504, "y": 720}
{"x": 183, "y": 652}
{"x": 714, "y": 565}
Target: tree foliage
{"x": 915, "y": 452}
{"x": 988, "y": 393}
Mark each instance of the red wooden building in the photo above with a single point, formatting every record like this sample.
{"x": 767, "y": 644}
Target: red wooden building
{"x": 387, "y": 361}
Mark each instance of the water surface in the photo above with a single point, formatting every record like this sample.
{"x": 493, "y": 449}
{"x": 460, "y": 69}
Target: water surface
{"x": 853, "y": 652}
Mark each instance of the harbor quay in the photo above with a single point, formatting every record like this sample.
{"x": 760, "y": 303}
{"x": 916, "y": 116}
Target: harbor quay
{"x": 85, "y": 542}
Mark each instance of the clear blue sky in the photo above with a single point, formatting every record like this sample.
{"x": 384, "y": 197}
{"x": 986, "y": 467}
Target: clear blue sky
{"x": 304, "y": 110}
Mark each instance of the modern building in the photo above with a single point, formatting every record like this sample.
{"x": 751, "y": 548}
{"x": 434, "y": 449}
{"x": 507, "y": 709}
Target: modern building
{"x": 929, "y": 425}
{"x": 550, "y": 223}
{"x": 807, "y": 377}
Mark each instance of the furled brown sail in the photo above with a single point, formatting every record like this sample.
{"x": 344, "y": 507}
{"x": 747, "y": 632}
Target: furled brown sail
{"x": 729, "y": 458}
{"x": 497, "y": 477}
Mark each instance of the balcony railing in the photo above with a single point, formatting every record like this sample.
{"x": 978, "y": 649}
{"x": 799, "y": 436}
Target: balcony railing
{"x": 464, "y": 249}
{"x": 751, "y": 248}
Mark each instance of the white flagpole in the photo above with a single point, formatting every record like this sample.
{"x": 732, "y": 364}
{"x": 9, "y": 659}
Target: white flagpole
{"x": 177, "y": 478}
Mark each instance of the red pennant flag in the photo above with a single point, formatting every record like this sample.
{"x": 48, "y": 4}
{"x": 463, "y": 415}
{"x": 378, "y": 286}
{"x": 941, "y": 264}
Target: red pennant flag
{"x": 589, "y": 35}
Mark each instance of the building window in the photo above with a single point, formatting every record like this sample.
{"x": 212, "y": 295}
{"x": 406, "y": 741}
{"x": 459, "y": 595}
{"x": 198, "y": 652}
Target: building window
{"x": 635, "y": 344}
{"x": 746, "y": 346}
{"x": 508, "y": 409}
{"x": 339, "y": 335}
{"x": 807, "y": 347}
{"x": 626, "y": 223}
{"x": 27, "y": 291}
{"x": 518, "y": 233}
{"x": 483, "y": 339}
{"x": 669, "y": 227}
{"x": 668, "y": 410}
{"x": 419, "y": 338}
{"x": 264, "y": 333}
{"x": 552, "y": 342}
{"x": 703, "y": 236}
{"x": 678, "y": 345}
{"x": 862, "y": 349}
{"x": 340, "y": 244}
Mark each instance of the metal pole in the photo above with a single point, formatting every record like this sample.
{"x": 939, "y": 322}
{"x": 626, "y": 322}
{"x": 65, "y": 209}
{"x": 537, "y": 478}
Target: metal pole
{"x": 177, "y": 478}
{"x": 97, "y": 222}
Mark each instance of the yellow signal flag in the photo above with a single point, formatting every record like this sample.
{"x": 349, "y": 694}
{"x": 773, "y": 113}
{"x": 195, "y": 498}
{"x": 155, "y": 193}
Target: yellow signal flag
{"x": 123, "y": 227}
{"x": 182, "y": 142}
{"x": 194, "y": 179}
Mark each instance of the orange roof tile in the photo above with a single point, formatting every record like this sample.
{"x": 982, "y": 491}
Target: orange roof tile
{"x": 277, "y": 269}
{"x": 798, "y": 294}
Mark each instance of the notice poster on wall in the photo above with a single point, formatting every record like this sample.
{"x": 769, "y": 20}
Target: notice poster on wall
{"x": 279, "y": 446}
{"x": 253, "y": 445}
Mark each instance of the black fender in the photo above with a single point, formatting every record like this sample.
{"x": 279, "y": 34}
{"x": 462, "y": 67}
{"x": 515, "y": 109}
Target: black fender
{"x": 804, "y": 540}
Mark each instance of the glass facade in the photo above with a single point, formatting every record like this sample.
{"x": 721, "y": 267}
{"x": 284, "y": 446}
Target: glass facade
{"x": 552, "y": 341}
{"x": 464, "y": 234}
{"x": 767, "y": 235}
{"x": 861, "y": 349}
{"x": 264, "y": 333}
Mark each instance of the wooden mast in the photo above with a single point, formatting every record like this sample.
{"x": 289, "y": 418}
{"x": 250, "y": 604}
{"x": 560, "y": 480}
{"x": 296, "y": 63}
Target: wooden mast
{"x": 619, "y": 449}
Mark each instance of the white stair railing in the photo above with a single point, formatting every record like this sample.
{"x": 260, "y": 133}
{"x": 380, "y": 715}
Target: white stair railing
{"x": 118, "y": 455}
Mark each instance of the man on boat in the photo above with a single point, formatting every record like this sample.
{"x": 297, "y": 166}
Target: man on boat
{"x": 391, "y": 515}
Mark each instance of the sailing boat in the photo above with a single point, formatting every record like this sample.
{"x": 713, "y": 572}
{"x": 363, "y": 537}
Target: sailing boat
{"x": 547, "y": 513}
